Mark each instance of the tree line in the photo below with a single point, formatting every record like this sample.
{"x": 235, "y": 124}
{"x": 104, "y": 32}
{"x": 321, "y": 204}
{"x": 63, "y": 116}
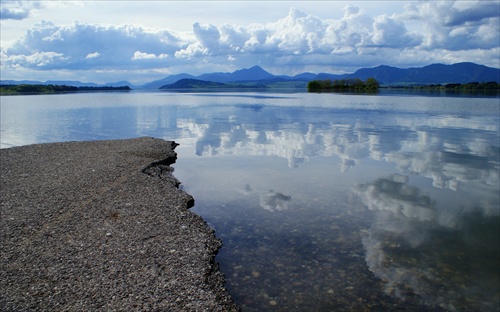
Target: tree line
{"x": 372, "y": 85}
{"x": 471, "y": 86}
{"x": 340, "y": 85}
{"x": 39, "y": 88}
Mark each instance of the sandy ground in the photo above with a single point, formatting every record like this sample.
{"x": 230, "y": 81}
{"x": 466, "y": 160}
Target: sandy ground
{"x": 102, "y": 225}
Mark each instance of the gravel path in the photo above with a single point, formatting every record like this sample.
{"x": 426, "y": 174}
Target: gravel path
{"x": 102, "y": 226}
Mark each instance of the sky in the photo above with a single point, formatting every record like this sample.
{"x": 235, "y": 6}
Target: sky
{"x": 140, "y": 41}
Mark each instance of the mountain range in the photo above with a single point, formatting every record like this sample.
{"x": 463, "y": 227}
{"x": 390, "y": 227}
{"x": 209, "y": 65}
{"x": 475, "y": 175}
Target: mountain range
{"x": 256, "y": 76}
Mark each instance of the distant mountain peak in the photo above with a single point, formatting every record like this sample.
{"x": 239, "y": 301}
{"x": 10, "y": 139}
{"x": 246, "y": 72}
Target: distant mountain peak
{"x": 246, "y": 74}
{"x": 252, "y": 73}
{"x": 256, "y": 68}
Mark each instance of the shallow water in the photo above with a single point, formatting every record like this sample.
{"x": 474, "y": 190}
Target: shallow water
{"x": 323, "y": 201}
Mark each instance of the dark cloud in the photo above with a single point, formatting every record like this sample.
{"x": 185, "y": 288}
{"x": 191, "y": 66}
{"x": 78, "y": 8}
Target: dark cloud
{"x": 473, "y": 13}
{"x": 207, "y": 35}
{"x": 17, "y": 10}
{"x": 391, "y": 33}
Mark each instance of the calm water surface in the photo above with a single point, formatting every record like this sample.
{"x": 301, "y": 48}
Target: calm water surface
{"x": 324, "y": 202}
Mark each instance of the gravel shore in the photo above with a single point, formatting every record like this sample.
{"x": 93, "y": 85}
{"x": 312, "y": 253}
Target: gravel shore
{"x": 102, "y": 226}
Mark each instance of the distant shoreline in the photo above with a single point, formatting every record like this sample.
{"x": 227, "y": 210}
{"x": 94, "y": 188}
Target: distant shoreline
{"x": 433, "y": 89}
{"x": 19, "y": 89}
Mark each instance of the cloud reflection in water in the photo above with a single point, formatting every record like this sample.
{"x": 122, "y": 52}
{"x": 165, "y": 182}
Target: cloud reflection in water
{"x": 419, "y": 242}
{"x": 427, "y": 183}
{"x": 273, "y": 201}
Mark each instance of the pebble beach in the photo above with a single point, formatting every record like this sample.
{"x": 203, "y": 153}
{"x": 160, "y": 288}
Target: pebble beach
{"x": 103, "y": 226}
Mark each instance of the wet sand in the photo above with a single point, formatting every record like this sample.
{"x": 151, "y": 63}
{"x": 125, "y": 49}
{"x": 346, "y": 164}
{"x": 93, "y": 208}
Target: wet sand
{"x": 102, "y": 225}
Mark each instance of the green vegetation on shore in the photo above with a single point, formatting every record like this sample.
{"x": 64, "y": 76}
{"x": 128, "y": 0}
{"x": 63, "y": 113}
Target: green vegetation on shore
{"x": 343, "y": 85}
{"x": 38, "y": 88}
{"x": 372, "y": 85}
{"x": 471, "y": 86}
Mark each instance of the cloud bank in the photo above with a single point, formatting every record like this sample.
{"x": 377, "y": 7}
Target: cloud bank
{"x": 423, "y": 33}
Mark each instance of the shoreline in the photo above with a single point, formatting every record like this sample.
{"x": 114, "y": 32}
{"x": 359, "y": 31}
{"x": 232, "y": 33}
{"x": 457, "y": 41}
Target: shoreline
{"x": 102, "y": 225}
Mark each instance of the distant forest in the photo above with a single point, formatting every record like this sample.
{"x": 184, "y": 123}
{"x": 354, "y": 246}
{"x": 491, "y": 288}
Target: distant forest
{"x": 341, "y": 85}
{"x": 371, "y": 84}
{"x": 471, "y": 86}
{"x": 38, "y": 88}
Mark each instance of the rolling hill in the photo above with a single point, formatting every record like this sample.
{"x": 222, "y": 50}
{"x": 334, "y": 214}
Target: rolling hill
{"x": 191, "y": 84}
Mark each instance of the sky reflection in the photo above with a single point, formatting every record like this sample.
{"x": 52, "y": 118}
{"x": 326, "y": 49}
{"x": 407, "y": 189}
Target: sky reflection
{"x": 409, "y": 185}
{"x": 441, "y": 176}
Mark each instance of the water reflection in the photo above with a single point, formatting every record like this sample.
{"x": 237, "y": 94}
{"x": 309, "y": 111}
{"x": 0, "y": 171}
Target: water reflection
{"x": 432, "y": 150}
{"x": 433, "y": 217}
{"x": 394, "y": 195}
{"x": 273, "y": 201}
{"x": 415, "y": 249}
{"x": 323, "y": 202}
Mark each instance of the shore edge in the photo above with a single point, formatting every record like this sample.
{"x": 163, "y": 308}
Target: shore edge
{"x": 102, "y": 225}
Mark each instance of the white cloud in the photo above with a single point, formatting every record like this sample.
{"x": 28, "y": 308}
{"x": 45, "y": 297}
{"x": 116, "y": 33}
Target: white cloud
{"x": 93, "y": 55}
{"x": 456, "y": 25}
{"x": 234, "y": 37}
{"x": 76, "y": 45}
{"x": 138, "y": 55}
{"x": 419, "y": 34}
{"x": 39, "y": 60}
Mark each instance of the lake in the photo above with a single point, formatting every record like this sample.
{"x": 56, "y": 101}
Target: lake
{"x": 324, "y": 202}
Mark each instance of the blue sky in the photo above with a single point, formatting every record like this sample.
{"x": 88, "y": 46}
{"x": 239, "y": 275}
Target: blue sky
{"x": 140, "y": 41}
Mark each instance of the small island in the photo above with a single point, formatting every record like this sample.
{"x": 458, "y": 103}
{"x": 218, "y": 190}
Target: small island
{"x": 343, "y": 85}
{"x": 48, "y": 89}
